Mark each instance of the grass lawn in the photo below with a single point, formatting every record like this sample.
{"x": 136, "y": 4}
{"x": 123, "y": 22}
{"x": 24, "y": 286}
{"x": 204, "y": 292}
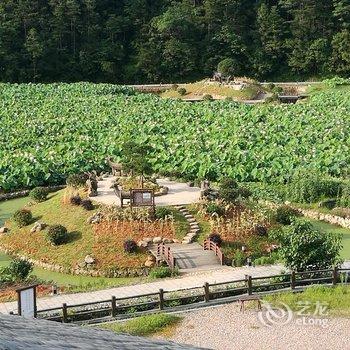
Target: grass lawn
{"x": 336, "y": 298}
{"x": 145, "y": 325}
{"x": 75, "y": 282}
{"x": 324, "y": 226}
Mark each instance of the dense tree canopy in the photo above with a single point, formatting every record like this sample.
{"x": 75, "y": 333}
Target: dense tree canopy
{"x": 138, "y": 41}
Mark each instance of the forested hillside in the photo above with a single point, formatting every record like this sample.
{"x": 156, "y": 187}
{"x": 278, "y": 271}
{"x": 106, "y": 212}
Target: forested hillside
{"x": 137, "y": 41}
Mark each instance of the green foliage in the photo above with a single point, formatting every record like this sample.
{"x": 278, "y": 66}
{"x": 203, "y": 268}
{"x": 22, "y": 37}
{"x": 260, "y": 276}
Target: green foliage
{"x": 213, "y": 208}
{"x": 207, "y": 97}
{"x": 144, "y": 325}
{"x": 344, "y": 198}
{"x": 336, "y": 81}
{"x": 337, "y": 298}
{"x": 230, "y": 191}
{"x": 267, "y": 260}
{"x": 309, "y": 186}
{"x": 227, "y": 67}
{"x": 163, "y": 212}
{"x": 77, "y": 180}
{"x": 39, "y": 194}
{"x": 182, "y": 91}
{"x": 162, "y": 272}
{"x": 22, "y": 217}
{"x": 18, "y": 270}
{"x": 238, "y": 258}
{"x": 305, "y": 248}
{"x": 205, "y": 140}
{"x": 57, "y": 234}
{"x": 286, "y": 214}
{"x": 136, "y": 157}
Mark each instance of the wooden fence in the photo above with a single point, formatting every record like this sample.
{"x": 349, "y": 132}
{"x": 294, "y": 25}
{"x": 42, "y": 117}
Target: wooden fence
{"x": 192, "y": 297}
{"x": 210, "y": 245}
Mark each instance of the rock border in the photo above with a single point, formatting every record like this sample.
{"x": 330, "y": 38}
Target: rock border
{"x": 127, "y": 272}
{"x": 331, "y": 219}
{"x": 194, "y": 226}
{"x": 25, "y": 193}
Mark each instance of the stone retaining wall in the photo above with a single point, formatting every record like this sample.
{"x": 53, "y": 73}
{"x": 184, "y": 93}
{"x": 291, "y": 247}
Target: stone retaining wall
{"x": 127, "y": 272}
{"x": 332, "y": 219}
{"x": 25, "y": 193}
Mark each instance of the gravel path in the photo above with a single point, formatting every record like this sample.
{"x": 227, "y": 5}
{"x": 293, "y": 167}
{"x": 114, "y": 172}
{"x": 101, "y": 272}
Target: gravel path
{"x": 179, "y": 193}
{"x": 226, "y": 328}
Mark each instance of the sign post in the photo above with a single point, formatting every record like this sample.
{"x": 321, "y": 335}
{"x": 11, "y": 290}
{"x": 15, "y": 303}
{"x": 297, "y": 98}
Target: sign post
{"x": 142, "y": 198}
{"x": 27, "y": 301}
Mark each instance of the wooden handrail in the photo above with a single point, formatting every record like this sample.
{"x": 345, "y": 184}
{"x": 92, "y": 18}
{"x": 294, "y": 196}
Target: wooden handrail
{"x": 210, "y": 245}
{"x": 163, "y": 250}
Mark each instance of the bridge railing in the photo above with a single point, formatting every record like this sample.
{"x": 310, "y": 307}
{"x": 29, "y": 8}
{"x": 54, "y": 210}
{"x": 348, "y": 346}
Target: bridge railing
{"x": 164, "y": 251}
{"x": 210, "y": 245}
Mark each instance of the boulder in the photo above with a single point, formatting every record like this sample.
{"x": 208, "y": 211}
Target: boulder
{"x": 4, "y": 229}
{"x": 157, "y": 240}
{"x": 95, "y": 218}
{"x": 167, "y": 240}
{"x": 142, "y": 244}
{"x": 38, "y": 226}
{"x": 150, "y": 263}
{"x": 148, "y": 239}
{"x": 89, "y": 259}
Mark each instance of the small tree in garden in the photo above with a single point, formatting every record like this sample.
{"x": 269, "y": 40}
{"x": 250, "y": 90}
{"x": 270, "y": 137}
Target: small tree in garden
{"x": 19, "y": 269}
{"x": 22, "y": 217}
{"x": 231, "y": 192}
{"x": 57, "y": 234}
{"x": 305, "y": 248}
{"x": 136, "y": 158}
{"x": 227, "y": 67}
{"x": 130, "y": 246}
{"x": 39, "y": 194}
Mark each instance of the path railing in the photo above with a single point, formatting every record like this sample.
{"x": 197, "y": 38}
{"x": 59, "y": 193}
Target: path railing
{"x": 210, "y": 245}
{"x": 167, "y": 254}
{"x": 208, "y": 294}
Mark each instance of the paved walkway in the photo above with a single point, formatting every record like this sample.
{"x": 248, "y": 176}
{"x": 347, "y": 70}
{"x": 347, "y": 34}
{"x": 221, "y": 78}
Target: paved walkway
{"x": 224, "y": 274}
{"x": 179, "y": 193}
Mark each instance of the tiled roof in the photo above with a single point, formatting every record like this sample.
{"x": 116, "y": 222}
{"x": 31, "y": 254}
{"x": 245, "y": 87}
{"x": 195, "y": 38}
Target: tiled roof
{"x": 17, "y": 333}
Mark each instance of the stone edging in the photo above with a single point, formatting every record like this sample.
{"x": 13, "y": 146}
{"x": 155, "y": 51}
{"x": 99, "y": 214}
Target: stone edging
{"x": 332, "y": 219}
{"x": 132, "y": 272}
{"x": 194, "y": 227}
{"x": 25, "y": 193}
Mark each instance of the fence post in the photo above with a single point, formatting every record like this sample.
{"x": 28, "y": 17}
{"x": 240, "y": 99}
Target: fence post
{"x": 292, "y": 280}
{"x": 206, "y": 292}
{"x": 114, "y": 306}
{"x": 64, "y": 313}
{"x": 161, "y": 299}
{"x": 335, "y": 276}
{"x": 249, "y": 284}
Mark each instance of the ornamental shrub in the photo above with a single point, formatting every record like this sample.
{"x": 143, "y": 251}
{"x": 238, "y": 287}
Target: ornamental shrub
{"x": 130, "y": 246}
{"x": 285, "y": 214}
{"x": 216, "y": 238}
{"x": 75, "y": 200}
{"x": 87, "y": 204}
{"x": 227, "y": 66}
{"x": 57, "y": 234}
{"x": 303, "y": 247}
{"x": 77, "y": 180}
{"x": 162, "y": 212}
{"x": 207, "y": 97}
{"x": 22, "y": 217}
{"x": 231, "y": 192}
{"x": 162, "y": 272}
{"x": 39, "y": 194}
{"x": 215, "y": 208}
{"x": 261, "y": 230}
{"x": 19, "y": 269}
{"x": 238, "y": 258}
{"x": 182, "y": 91}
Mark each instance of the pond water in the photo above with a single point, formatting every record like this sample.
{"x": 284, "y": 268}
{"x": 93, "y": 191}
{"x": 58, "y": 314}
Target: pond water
{"x": 7, "y": 208}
